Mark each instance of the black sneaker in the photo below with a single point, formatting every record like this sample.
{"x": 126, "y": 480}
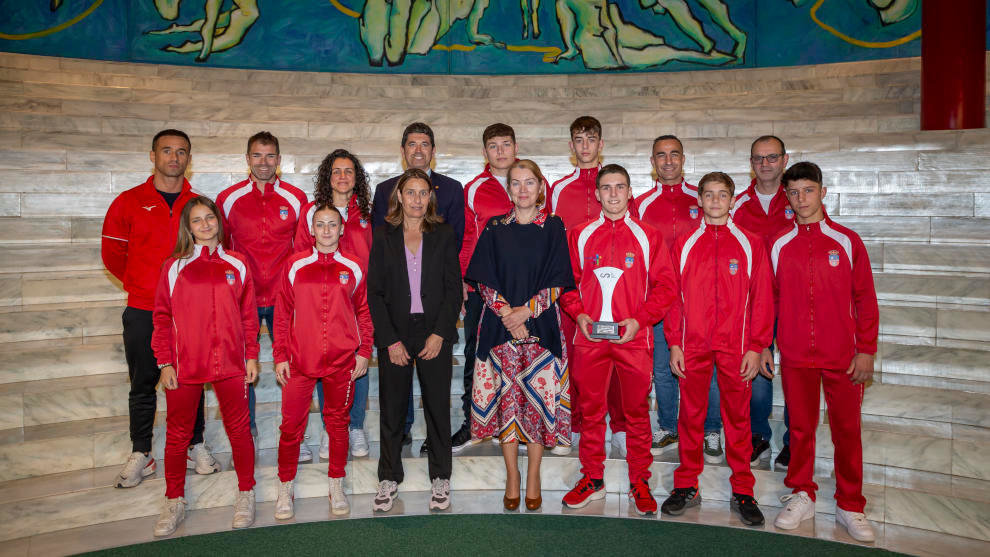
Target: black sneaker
{"x": 680, "y": 499}
{"x": 760, "y": 446}
{"x": 406, "y": 439}
{"x": 461, "y": 439}
{"x": 783, "y": 459}
{"x": 747, "y": 508}
{"x": 424, "y": 448}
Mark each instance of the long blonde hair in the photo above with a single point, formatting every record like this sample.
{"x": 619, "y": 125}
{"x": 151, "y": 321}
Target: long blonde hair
{"x": 394, "y": 217}
{"x": 185, "y": 242}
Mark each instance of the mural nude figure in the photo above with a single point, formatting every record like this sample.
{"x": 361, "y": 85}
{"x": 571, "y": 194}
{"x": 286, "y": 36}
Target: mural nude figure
{"x": 233, "y": 25}
{"x": 390, "y": 29}
{"x": 685, "y": 20}
{"x": 595, "y": 30}
{"x": 530, "y": 18}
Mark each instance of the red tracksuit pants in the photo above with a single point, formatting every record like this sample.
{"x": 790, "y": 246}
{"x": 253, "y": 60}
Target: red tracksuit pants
{"x": 617, "y": 419}
{"x": 734, "y": 397}
{"x": 844, "y": 401}
{"x": 297, "y": 396}
{"x": 596, "y": 369}
{"x": 183, "y": 403}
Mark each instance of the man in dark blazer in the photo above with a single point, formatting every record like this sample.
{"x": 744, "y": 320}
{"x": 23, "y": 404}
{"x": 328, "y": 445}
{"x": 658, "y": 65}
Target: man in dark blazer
{"x": 417, "y": 151}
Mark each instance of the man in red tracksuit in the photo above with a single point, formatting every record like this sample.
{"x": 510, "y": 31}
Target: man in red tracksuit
{"x": 828, "y": 322}
{"x": 259, "y": 217}
{"x": 671, "y": 206}
{"x": 763, "y": 210}
{"x": 724, "y": 317}
{"x": 139, "y": 233}
{"x": 572, "y": 198}
{"x": 623, "y": 274}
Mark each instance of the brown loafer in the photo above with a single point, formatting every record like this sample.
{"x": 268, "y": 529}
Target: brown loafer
{"x": 535, "y": 503}
{"x": 511, "y": 503}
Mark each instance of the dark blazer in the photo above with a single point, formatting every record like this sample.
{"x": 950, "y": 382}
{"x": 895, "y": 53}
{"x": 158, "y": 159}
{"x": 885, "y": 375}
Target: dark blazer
{"x": 388, "y": 284}
{"x": 450, "y": 202}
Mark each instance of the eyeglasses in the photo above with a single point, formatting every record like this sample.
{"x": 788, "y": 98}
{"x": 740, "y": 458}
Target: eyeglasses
{"x": 757, "y": 159}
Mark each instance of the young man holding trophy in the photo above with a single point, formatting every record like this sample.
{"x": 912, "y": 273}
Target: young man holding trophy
{"x": 625, "y": 284}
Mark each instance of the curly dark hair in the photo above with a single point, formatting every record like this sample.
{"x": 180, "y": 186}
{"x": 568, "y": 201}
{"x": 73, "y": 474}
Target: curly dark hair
{"x": 323, "y": 193}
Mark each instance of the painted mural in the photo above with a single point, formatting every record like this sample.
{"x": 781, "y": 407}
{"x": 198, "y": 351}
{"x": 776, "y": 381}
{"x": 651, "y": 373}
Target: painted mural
{"x": 466, "y": 36}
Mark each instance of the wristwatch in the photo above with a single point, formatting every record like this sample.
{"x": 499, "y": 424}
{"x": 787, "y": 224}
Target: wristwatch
{"x": 163, "y": 366}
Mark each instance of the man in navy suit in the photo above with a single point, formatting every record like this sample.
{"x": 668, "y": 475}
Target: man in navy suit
{"x": 417, "y": 151}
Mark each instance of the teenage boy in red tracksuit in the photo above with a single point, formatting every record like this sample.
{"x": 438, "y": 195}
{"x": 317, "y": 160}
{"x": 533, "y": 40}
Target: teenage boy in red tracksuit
{"x": 828, "y": 322}
{"x": 324, "y": 332}
{"x": 572, "y": 198}
{"x": 259, "y": 216}
{"x": 633, "y": 255}
{"x": 723, "y": 317}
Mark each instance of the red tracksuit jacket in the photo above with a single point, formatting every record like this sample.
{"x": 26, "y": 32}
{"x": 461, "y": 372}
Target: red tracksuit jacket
{"x": 484, "y": 198}
{"x": 572, "y": 198}
{"x": 321, "y": 313}
{"x": 672, "y": 210}
{"x": 645, "y": 289}
{"x": 139, "y": 233}
{"x": 206, "y": 317}
{"x": 261, "y": 226}
{"x": 825, "y": 294}
{"x": 357, "y": 232}
{"x": 726, "y": 292}
{"x": 748, "y": 213}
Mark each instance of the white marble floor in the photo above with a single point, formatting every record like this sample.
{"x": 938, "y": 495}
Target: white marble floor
{"x": 138, "y": 530}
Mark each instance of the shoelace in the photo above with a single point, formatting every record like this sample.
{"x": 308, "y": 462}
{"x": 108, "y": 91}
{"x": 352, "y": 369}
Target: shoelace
{"x": 383, "y": 489}
{"x": 792, "y": 499}
{"x": 133, "y": 463}
{"x": 440, "y": 486}
{"x": 712, "y": 439}
{"x": 243, "y": 502}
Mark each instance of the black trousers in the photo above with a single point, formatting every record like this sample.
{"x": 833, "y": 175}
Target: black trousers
{"x": 472, "y": 314}
{"x": 142, "y": 369}
{"x": 394, "y": 386}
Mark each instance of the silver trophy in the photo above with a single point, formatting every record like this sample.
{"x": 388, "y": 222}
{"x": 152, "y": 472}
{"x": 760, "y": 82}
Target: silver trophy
{"x": 605, "y": 328}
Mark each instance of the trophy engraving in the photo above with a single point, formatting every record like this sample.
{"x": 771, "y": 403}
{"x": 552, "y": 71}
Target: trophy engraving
{"x": 606, "y": 328}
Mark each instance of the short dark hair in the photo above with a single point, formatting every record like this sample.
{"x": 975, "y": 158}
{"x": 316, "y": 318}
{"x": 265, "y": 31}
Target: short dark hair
{"x": 498, "y": 130}
{"x": 611, "y": 169}
{"x": 666, "y": 137}
{"x": 720, "y": 177}
{"x": 587, "y": 124}
{"x": 173, "y": 133}
{"x": 803, "y": 170}
{"x": 762, "y": 138}
{"x": 265, "y": 138}
{"x": 417, "y": 127}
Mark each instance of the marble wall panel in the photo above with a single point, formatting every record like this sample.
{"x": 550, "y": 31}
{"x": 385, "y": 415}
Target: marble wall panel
{"x": 14, "y": 159}
{"x": 888, "y": 124}
{"x": 944, "y": 205}
{"x": 10, "y": 291}
{"x": 135, "y": 109}
{"x": 79, "y": 92}
{"x": 86, "y": 228}
{"x": 36, "y": 106}
{"x": 54, "y": 182}
{"x": 147, "y": 127}
{"x": 77, "y": 142}
{"x": 961, "y": 230}
{"x": 900, "y": 141}
{"x": 851, "y": 182}
{"x": 46, "y": 204}
{"x": 10, "y": 204}
{"x": 864, "y": 124}
{"x": 971, "y": 451}
{"x": 898, "y": 161}
{"x": 934, "y": 181}
{"x": 982, "y": 205}
{"x": 943, "y": 258}
{"x": 105, "y": 160}
{"x": 960, "y": 160}
{"x": 903, "y": 229}
{"x": 10, "y": 139}
{"x": 11, "y": 411}
{"x": 49, "y": 123}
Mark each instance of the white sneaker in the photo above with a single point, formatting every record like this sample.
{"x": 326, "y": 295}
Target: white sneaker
{"x": 173, "y": 513}
{"x": 338, "y": 501}
{"x": 618, "y": 444}
{"x": 713, "y": 447}
{"x": 198, "y": 458}
{"x": 440, "y": 495}
{"x": 324, "y": 446}
{"x": 305, "y": 455}
{"x": 385, "y": 498}
{"x": 799, "y": 508}
{"x": 284, "y": 502}
{"x": 243, "y": 509}
{"x": 857, "y": 525}
{"x": 662, "y": 438}
{"x": 137, "y": 467}
{"x": 561, "y": 450}
{"x": 359, "y": 442}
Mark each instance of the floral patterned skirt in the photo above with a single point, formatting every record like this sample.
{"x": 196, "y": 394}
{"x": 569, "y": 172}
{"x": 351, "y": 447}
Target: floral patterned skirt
{"x": 521, "y": 393}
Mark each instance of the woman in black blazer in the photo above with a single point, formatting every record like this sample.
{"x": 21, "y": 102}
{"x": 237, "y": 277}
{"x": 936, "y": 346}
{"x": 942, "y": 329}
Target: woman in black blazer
{"x": 414, "y": 295}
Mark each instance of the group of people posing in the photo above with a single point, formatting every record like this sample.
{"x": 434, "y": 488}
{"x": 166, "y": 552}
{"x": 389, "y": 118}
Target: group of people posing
{"x": 577, "y": 299}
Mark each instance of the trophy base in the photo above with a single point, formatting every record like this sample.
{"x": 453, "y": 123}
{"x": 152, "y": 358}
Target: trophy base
{"x": 605, "y": 330}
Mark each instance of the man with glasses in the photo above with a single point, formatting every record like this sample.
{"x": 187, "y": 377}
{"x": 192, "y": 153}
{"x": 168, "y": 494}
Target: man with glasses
{"x": 763, "y": 210}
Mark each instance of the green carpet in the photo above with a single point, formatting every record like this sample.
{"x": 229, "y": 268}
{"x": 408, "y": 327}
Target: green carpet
{"x": 508, "y": 535}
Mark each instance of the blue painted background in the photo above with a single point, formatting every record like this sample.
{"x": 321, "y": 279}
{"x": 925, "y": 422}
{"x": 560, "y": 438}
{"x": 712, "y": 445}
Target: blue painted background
{"x": 324, "y": 35}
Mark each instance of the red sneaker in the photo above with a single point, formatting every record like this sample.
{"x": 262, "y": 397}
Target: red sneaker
{"x": 585, "y": 491}
{"x": 640, "y": 494}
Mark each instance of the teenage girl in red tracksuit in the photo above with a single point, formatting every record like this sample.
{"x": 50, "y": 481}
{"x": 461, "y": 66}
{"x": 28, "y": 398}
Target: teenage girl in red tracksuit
{"x": 206, "y": 331}
{"x": 323, "y": 332}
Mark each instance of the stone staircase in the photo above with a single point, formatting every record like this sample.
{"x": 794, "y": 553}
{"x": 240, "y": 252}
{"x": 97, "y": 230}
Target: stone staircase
{"x": 74, "y": 133}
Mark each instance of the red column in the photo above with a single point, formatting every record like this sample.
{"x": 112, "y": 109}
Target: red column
{"x": 953, "y": 64}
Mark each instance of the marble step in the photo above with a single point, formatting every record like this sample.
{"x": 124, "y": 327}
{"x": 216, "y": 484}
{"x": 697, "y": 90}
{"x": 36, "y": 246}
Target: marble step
{"x": 67, "y": 323}
{"x": 947, "y": 327}
{"x": 935, "y": 367}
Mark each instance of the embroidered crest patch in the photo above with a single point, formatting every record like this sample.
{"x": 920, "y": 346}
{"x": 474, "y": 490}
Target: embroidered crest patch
{"x": 733, "y": 266}
{"x": 344, "y": 277}
{"x": 788, "y": 213}
{"x": 693, "y": 210}
{"x": 283, "y": 213}
{"x": 630, "y": 259}
{"x": 833, "y": 257}
{"x": 230, "y": 277}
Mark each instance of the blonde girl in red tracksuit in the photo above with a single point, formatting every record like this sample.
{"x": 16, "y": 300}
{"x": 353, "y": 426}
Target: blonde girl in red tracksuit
{"x": 206, "y": 331}
{"x": 323, "y": 332}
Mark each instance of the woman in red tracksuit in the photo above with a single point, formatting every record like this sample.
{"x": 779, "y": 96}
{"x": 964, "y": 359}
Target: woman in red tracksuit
{"x": 206, "y": 331}
{"x": 323, "y": 332}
